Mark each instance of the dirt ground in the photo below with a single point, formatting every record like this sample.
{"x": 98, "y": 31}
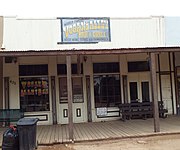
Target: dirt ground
{"x": 165, "y": 142}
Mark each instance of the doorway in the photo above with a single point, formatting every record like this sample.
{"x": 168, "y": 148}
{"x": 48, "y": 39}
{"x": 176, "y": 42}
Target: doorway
{"x": 139, "y": 88}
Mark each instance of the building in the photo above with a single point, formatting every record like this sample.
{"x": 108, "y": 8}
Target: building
{"x": 110, "y": 63}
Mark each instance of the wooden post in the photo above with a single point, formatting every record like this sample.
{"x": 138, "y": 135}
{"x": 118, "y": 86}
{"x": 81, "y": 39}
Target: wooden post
{"x": 69, "y": 89}
{"x": 154, "y": 92}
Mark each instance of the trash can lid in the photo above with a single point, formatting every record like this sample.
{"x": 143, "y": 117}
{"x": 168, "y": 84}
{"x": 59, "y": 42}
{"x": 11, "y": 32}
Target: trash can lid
{"x": 27, "y": 121}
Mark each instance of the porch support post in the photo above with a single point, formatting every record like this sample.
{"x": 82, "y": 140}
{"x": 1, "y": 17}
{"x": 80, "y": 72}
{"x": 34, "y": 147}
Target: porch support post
{"x": 69, "y": 89}
{"x": 154, "y": 92}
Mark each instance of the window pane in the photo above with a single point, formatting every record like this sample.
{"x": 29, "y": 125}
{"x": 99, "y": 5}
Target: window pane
{"x": 34, "y": 94}
{"x": 106, "y": 90}
{"x": 77, "y": 89}
{"x": 28, "y": 70}
{"x": 133, "y": 91}
{"x": 112, "y": 67}
{"x": 63, "y": 90}
{"x": 61, "y": 69}
{"x": 145, "y": 91}
{"x": 138, "y": 66}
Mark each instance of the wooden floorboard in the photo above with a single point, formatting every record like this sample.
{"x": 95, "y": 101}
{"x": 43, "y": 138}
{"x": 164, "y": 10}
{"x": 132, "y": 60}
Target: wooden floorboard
{"x": 50, "y": 134}
{"x": 100, "y": 134}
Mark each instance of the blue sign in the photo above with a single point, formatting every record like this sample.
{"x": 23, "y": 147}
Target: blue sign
{"x": 85, "y": 30}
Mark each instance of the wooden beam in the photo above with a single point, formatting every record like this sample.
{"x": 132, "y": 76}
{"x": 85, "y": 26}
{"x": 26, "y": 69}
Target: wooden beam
{"x": 69, "y": 89}
{"x": 154, "y": 92}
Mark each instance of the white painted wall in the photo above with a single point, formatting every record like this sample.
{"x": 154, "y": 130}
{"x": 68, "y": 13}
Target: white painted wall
{"x": 29, "y": 34}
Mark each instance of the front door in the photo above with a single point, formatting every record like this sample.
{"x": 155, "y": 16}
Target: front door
{"x": 139, "y": 88}
{"x": 166, "y": 92}
{"x": 78, "y": 105}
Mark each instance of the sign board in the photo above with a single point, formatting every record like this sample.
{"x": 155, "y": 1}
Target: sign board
{"x": 85, "y": 30}
{"x": 101, "y": 111}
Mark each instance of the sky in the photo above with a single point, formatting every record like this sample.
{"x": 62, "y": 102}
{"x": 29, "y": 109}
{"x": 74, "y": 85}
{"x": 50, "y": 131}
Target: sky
{"x": 89, "y": 8}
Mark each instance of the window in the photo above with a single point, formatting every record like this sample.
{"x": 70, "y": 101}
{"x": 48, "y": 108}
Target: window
{"x": 133, "y": 91}
{"x": 145, "y": 91}
{"x": 34, "y": 90}
{"x": 34, "y": 94}
{"x": 111, "y": 67}
{"x": 30, "y": 70}
{"x": 138, "y": 66}
{"x": 107, "y": 90}
{"x": 77, "y": 89}
{"x": 62, "y": 70}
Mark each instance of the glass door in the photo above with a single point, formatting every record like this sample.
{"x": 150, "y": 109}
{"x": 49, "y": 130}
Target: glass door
{"x": 145, "y": 91}
{"x": 139, "y": 91}
{"x": 133, "y": 91}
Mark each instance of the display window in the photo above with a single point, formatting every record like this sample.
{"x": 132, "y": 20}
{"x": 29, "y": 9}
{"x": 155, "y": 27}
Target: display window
{"x": 34, "y": 94}
{"x": 107, "y": 91}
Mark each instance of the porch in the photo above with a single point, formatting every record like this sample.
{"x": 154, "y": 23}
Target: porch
{"x": 54, "y": 134}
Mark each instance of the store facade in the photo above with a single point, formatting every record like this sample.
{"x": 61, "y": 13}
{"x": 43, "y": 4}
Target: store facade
{"x": 37, "y": 82}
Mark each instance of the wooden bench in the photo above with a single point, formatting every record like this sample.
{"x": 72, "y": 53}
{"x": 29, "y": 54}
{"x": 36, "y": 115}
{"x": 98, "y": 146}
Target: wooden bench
{"x": 10, "y": 115}
{"x": 140, "y": 110}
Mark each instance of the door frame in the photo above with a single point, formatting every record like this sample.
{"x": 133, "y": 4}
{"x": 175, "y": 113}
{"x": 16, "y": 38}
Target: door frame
{"x": 88, "y": 95}
{"x": 53, "y": 96}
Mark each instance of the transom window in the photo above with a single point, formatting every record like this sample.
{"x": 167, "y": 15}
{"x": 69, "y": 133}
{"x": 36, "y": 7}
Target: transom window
{"x": 111, "y": 67}
{"x": 30, "y": 70}
{"x": 138, "y": 66}
{"x": 62, "y": 69}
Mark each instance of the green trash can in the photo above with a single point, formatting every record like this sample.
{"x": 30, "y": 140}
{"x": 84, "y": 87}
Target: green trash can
{"x": 27, "y": 133}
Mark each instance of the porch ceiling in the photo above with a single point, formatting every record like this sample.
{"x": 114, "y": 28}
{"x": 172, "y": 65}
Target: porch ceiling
{"x": 52, "y": 52}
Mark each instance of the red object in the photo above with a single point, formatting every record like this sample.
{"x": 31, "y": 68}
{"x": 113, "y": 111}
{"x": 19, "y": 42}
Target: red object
{"x": 12, "y": 127}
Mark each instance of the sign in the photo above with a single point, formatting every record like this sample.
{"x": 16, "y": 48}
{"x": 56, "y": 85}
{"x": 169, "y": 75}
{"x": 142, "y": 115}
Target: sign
{"x": 85, "y": 30}
{"x": 101, "y": 111}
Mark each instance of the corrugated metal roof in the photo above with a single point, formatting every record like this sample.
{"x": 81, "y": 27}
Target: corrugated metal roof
{"x": 51, "y": 52}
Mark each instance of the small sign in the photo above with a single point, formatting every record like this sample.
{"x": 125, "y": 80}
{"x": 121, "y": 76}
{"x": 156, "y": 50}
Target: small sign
{"x": 85, "y": 30}
{"x": 101, "y": 111}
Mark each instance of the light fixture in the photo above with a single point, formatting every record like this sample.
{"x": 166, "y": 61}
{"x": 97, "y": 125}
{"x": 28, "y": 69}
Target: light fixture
{"x": 85, "y": 58}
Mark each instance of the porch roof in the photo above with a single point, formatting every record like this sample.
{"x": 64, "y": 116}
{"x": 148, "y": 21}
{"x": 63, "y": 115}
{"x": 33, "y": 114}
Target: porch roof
{"x": 55, "y": 52}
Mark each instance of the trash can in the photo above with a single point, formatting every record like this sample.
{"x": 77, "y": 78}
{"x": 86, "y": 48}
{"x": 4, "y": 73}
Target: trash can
{"x": 27, "y": 133}
{"x": 10, "y": 139}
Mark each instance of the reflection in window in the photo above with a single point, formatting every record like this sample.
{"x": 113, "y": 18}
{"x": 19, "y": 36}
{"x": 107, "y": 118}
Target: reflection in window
{"x": 107, "y": 90}
{"x": 77, "y": 89}
{"x": 34, "y": 94}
